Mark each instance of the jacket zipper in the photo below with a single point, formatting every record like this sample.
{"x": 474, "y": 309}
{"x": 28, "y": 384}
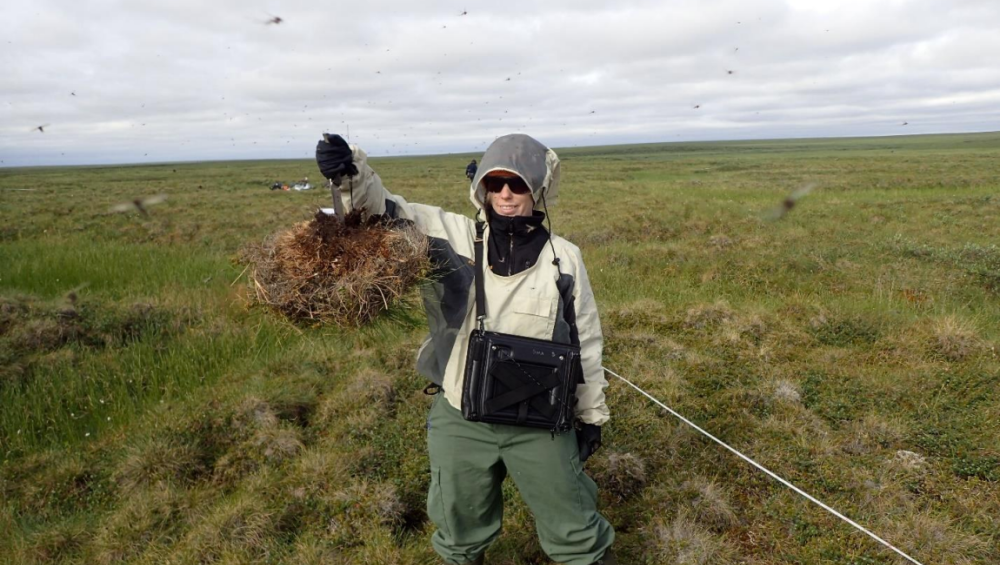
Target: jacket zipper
{"x": 510, "y": 256}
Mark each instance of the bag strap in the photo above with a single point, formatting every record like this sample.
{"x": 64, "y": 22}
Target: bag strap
{"x": 480, "y": 285}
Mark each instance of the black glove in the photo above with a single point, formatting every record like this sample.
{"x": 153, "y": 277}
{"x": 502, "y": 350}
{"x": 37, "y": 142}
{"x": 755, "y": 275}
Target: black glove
{"x": 334, "y": 156}
{"x": 588, "y": 439}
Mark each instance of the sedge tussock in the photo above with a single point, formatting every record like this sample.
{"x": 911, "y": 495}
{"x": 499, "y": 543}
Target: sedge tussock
{"x": 364, "y": 504}
{"x": 312, "y": 550}
{"x": 909, "y": 460}
{"x": 642, "y": 312}
{"x": 663, "y": 381}
{"x": 241, "y": 527}
{"x": 346, "y": 274}
{"x": 622, "y": 475}
{"x": 41, "y": 335}
{"x": 872, "y": 433}
{"x": 148, "y": 516}
{"x": 7, "y": 523}
{"x": 278, "y": 444}
{"x": 316, "y": 473}
{"x": 954, "y": 339}
{"x": 936, "y": 540}
{"x": 880, "y": 493}
{"x": 372, "y": 387}
{"x": 684, "y": 542}
{"x": 786, "y": 391}
{"x": 57, "y": 543}
{"x": 720, "y": 241}
{"x": 704, "y": 316}
{"x": 802, "y": 428}
{"x": 642, "y": 343}
{"x": 158, "y": 460}
{"x": 267, "y": 446}
{"x": 253, "y": 413}
{"x": 710, "y": 504}
{"x": 388, "y": 506}
{"x": 347, "y": 416}
{"x": 47, "y": 483}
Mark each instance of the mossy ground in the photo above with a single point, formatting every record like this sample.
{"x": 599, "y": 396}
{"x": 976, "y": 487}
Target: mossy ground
{"x": 149, "y": 417}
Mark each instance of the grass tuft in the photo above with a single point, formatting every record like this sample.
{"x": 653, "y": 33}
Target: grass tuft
{"x": 50, "y": 483}
{"x": 936, "y": 541}
{"x": 955, "y": 339}
{"x": 158, "y": 461}
{"x": 909, "y": 460}
{"x": 149, "y": 516}
{"x": 240, "y": 529}
{"x": 871, "y": 434}
{"x": 58, "y": 543}
{"x": 843, "y": 331}
{"x": 705, "y": 316}
{"x": 271, "y": 445}
{"x": 710, "y": 504}
{"x": 684, "y": 542}
{"x": 372, "y": 387}
{"x": 787, "y": 391}
{"x": 622, "y": 475}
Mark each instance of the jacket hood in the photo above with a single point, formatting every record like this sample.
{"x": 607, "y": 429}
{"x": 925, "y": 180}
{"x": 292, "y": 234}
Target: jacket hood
{"x": 525, "y": 156}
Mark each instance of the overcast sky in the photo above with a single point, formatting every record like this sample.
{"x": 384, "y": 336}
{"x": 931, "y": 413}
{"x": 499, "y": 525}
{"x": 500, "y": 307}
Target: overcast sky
{"x": 144, "y": 81}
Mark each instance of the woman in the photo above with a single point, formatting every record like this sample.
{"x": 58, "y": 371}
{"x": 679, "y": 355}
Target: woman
{"x": 535, "y": 286}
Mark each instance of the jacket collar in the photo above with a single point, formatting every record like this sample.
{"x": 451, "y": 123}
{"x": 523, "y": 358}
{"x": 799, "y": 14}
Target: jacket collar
{"x": 515, "y": 225}
{"x": 515, "y": 242}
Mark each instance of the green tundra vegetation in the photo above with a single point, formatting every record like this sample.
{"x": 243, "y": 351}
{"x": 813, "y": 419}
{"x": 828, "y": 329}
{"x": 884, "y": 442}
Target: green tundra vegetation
{"x": 148, "y": 415}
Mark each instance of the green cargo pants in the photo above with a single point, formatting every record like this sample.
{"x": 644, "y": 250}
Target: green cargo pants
{"x": 469, "y": 461}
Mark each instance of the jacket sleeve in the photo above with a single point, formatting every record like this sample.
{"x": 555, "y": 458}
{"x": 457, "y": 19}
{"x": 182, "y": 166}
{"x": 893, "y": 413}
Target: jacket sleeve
{"x": 366, "y": 192}
{"x": 591, "y": 407}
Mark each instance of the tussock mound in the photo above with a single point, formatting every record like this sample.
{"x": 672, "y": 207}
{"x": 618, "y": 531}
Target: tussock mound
{"x": 341, "y": 273}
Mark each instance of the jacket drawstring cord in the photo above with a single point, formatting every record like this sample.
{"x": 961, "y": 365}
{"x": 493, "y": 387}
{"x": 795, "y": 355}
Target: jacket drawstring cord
{"x": 548, "y": 218}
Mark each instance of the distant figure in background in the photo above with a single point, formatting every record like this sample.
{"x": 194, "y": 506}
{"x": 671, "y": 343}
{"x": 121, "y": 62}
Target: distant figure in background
{"x": 470, "y": 170}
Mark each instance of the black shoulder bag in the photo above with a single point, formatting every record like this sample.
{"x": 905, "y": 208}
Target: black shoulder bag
{"x": 516, "y": 380}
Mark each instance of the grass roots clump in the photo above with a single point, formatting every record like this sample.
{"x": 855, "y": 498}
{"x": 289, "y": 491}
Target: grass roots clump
{"x": 340, "y": 273}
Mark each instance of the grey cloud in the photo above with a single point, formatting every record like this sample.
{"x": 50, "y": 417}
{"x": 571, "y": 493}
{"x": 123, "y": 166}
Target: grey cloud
{"x": 212, "y": 81}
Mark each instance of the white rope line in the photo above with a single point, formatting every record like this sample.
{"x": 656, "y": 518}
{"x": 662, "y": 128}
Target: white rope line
{"x": 764, "y": 469}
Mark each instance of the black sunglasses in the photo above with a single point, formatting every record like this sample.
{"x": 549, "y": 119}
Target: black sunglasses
{"x": 496, "y": 184}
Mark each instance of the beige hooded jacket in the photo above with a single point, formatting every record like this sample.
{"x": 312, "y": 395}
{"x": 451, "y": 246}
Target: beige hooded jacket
{"x": 544, "y": 301}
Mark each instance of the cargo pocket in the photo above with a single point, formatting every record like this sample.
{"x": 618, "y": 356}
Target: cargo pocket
{"x": 586, "y": 488}
{"x": 436, "y": 507}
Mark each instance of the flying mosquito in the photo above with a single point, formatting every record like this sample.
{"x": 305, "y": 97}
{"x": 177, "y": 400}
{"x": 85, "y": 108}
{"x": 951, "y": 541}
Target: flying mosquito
{"x": 789, "y": 203}
{"x": 464, "y": 13}
{"x": 40, "y": 128}
{"x": 139, "y": 204}
{"x": 273, "y": 20}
